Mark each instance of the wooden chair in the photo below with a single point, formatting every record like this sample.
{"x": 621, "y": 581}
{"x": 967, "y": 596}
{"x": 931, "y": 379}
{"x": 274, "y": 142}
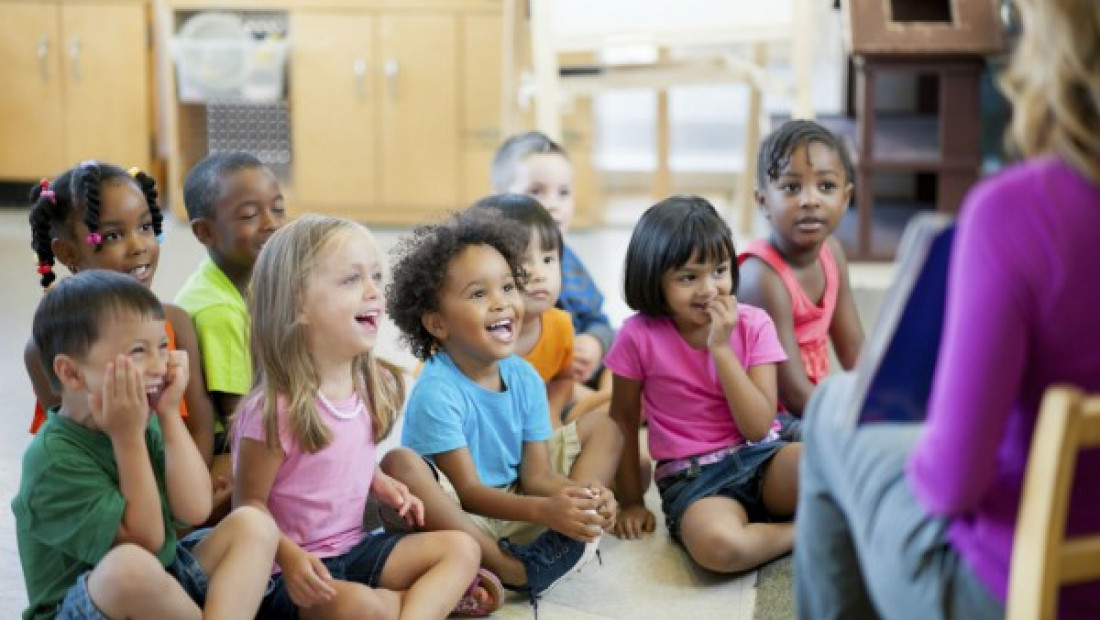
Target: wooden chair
{"x": 731, "y": 46}
{"x": 1043, "y": 559}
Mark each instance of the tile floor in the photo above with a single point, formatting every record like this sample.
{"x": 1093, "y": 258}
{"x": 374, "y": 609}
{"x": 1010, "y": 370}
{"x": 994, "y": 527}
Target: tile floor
{"x": 645, "y": 579}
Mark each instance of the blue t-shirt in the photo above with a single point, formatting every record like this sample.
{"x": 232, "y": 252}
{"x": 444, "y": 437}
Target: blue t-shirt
{"x": 447, "y": 411}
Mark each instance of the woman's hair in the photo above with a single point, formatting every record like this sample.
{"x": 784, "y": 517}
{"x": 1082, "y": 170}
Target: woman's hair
{"x": 529, "y": 213}
{"x": 420, "y": 264}
{"x": 284, "y": 367}
{"x": 1053, "y": 82}
{"x": 777, "y": 149}
{"x": 516, "y": 149}
{"x": 57, "y": 206}
{"x": 670, "y": 234}
{"x": 72, "y": 315}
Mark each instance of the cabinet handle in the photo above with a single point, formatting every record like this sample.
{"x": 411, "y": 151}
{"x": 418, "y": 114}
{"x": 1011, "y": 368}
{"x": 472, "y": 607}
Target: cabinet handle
{"x": 359, "y": 69}
{"x": 74, "y": 58}
{"x": 393, "y": 69}
{"x": 43, "y": 57}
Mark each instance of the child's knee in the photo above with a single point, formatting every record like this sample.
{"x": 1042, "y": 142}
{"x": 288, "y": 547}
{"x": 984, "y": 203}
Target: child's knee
{"x": 402, "y": 463}
{"x": 462, "y": 546}
{"x": 253, "y": 525}
{"x": 128, "y": 572}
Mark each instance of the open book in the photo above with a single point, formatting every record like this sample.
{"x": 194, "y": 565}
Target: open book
{"x": 895, "y": 368}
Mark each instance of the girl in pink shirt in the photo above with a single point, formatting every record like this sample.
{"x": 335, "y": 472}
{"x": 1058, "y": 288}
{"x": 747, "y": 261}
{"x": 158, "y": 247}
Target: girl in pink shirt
{"x": 799, "y": 273}
{"x": 703, "y": 368}
{"x": 305, "y": 442}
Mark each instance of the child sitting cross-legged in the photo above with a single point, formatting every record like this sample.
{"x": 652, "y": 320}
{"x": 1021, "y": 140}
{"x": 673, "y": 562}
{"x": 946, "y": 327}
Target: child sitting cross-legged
{"x": 536, "y": 500}
{"x": 113, "y": 471}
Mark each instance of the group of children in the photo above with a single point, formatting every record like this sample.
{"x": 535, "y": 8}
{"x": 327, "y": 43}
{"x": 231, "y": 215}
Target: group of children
{"x": 255, "y": 406}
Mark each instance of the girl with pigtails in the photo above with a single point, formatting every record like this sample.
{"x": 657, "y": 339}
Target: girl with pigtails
{"x": 99, "y": 216}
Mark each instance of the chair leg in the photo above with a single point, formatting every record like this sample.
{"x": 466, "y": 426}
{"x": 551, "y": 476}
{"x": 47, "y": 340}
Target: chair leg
{"x": 547, "y": 77}
{"x": 744, "y": 202}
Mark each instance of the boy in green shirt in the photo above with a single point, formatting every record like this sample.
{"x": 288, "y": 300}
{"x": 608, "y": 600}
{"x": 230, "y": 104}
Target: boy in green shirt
{"x": 97, "y": 508}
{"x": 235, "y": 205}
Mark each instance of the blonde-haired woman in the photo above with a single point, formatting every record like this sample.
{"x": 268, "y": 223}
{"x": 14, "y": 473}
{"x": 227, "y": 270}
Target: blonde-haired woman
{"x": 917, "y": 521}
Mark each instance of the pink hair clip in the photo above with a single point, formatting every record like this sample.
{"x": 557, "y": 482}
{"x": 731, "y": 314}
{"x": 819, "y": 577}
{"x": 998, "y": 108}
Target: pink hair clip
{"x": 94, "y": 238}
{"x": 49, "y": 195}
{"x": 44, "y": 268}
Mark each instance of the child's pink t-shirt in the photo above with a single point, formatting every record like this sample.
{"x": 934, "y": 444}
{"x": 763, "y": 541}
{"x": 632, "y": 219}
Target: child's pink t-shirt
{"x": 811, "y": 320}
{"x": 318, "y": 499}
{"x": 681, "y": 392}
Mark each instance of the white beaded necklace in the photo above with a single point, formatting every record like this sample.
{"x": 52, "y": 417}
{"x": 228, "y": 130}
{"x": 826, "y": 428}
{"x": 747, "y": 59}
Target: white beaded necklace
{"x": 359, "y": 410}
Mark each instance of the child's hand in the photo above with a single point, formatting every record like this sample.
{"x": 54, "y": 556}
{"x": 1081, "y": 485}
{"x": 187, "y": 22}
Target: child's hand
{"x": 307, "y": 579}
{"x": 607, "y": 506}
{"x": 723, "y": 318}
{"x": 397, "y": 496}
{"x": 586, "y": 356}
{"x": 572, "y": 511}
{"x": 633, "y": 521}
{"x": 175, "y": 381}
{"x": 122, "y": 407}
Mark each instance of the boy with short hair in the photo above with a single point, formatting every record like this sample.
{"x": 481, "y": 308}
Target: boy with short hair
{"x": 235, "y": 204}
{"x": 533, "y": 164}
{"x": 97, "y": 508}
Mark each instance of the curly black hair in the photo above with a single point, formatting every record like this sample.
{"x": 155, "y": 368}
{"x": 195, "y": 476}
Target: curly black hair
{"x": 420, "y": 264}
{"x": 55, "y": 206}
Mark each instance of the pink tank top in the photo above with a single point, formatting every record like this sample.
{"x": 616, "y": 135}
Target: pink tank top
{"x": 811, "y": 320}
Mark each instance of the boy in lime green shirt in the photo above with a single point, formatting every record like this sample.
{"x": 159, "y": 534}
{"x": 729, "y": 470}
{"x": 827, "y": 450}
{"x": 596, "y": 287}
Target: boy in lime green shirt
{"x": 234, "y": 204}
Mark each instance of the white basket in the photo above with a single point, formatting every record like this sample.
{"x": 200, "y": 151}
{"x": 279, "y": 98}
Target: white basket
{"x": 229, "y": 69}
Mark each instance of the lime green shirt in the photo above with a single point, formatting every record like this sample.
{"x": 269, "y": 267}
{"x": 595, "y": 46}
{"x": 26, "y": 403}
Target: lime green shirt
{"x": 69, "y": 508}
{"x": 222, "y": 324}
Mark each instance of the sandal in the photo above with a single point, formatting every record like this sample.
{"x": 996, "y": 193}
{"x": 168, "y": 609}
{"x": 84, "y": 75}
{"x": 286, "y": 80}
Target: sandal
{"x": 469, "y": 606}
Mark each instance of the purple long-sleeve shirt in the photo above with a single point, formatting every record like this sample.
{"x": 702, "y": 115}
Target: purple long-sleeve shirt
{"x": 1023, "y": 312}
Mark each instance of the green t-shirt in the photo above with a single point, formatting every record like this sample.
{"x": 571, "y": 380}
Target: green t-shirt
{"x": 69, "y": 508}
{"x": 222, "y": 323}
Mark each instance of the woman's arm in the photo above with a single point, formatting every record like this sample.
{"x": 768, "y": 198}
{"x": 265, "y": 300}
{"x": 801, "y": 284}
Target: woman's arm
{"x": 200, "y": 410}
{"x": 983, "y": 355}
{"x": 846, "y": 330}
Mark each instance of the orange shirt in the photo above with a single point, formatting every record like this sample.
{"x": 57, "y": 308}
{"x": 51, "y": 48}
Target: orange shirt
{"x": 40, "y": 413}
{"x": 553, "y": 352}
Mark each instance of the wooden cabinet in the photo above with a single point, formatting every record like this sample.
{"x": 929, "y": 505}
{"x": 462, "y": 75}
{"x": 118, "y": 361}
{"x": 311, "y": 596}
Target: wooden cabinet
{"x": 76, "y": 86}
{"x": 394, "y": 107}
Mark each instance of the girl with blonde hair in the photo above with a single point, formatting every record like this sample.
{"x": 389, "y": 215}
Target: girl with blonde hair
{"x": 918, "y": 520}
{"x": 305, "y": 441}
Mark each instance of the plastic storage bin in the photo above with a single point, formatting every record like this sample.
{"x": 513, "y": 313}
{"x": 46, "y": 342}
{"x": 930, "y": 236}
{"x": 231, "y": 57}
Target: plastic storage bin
{"x": 217, "y": 59}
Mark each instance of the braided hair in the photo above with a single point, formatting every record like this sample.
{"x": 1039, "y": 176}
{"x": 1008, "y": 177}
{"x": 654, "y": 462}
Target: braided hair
{"x": 76, "y": 193}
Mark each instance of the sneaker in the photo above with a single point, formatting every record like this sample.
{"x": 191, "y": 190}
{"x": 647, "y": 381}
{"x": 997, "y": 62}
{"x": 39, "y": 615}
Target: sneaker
{"x": 549, "y": 559}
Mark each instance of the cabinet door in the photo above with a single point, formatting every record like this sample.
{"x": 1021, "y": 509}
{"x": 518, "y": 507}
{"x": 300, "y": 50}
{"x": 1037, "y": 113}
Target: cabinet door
{"x": 106, "y": 75}
{"x": 31, "y": 104}
{"x": 419, "y": 111}
{"x": 331, "y": 112}
{"x": 482, "y": 42}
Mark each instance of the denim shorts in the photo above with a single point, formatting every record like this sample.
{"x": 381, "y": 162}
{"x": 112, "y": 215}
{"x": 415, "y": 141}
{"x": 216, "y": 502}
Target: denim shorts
{"x": 362, "y": 564}
{"x": 739, "y": 476}
{"x": 185, "y": 569}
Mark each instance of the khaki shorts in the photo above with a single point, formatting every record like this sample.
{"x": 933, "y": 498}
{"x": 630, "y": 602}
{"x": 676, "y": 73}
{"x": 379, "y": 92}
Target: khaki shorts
{"x": 564, "y": 446}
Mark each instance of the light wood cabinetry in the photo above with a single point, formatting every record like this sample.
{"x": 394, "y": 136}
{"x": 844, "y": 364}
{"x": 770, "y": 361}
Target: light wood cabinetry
{"x": 76, "y": 86}
{"x": 394, "y": 107}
